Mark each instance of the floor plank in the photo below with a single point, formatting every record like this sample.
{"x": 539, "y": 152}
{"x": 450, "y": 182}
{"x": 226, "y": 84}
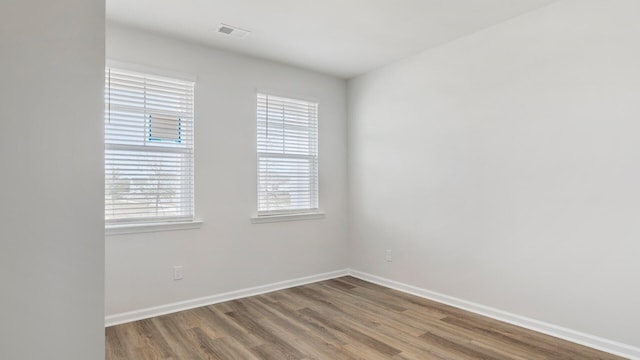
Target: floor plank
{"x": 339, "y": 319}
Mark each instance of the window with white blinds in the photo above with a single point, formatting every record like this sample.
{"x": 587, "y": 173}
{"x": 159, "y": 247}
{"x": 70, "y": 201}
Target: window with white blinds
{"x": 148, "y": 148}
{"x": 287, "y": 155}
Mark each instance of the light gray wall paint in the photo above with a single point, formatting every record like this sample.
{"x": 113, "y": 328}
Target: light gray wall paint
{"x": 228, "y": 252}
{"x": 51, "y": 213}
{"x": 503, "y": 168}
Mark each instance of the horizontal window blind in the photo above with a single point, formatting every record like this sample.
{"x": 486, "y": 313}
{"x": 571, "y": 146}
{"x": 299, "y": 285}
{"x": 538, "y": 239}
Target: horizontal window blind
{"x": 148, "y": 148}
{"x": 287, "y": 155}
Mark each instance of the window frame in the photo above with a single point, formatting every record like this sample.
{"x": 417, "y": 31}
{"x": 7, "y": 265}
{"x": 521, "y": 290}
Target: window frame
{"x": 293, "y": 213}
{"x": 160, "y": 223}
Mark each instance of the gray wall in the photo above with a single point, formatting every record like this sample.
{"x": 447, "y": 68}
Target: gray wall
{"x": 503, "y": 168}
{"x": 51, "y": 212}
{"x": 229, "y": 252}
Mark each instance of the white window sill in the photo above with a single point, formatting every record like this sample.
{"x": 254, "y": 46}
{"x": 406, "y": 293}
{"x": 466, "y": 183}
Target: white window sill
{"x": 287, "y": 217}
{"x": 151, "y": 227}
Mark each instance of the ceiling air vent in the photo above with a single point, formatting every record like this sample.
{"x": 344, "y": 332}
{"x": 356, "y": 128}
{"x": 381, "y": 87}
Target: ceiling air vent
{"x": 233, "y": 31}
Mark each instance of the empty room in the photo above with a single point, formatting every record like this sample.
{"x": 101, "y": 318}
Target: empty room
{"x": 297, "y": 179}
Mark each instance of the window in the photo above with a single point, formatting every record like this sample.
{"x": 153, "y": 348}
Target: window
{"x": 287, "y": 155}
{"x": 148, "y": 148}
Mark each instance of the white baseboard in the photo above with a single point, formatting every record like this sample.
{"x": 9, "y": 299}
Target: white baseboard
{"x": 591, "y": 341}
{"x": 126, "y": 317}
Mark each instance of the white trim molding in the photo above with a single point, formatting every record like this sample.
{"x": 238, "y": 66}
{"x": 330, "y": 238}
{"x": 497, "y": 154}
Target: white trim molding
{"x": 152, "y": 70}
{"x": 577, "y": 337}
{"x": 111, "y": 230}
{"x": 135, "y": 315}
{"x": 287, "y": 217}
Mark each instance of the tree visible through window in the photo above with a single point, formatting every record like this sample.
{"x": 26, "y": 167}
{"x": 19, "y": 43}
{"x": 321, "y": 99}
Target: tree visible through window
{"x": 148, "y": 148}
{"x": 287, "y": 155}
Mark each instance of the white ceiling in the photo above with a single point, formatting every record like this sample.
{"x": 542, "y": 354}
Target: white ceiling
{"x": 344, "y": 38}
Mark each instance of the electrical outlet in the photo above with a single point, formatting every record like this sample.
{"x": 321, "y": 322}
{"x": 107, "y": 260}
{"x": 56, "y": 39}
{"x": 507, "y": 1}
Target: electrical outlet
{"x": 177, "y": 272}
{"x": 388, "y": 256}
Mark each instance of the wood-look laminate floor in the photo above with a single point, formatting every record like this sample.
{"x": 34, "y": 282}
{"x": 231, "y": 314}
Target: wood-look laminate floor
{"x": 344, "y": 318}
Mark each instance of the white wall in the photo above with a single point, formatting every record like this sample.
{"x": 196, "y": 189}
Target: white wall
{"x": 51, "y": 213}
{"x": 228, "y": 252}
{"x": 504, "y": 168}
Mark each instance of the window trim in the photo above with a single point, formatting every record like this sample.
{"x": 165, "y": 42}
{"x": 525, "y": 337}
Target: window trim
{"x": 312, "y": 215}
{"x": 288, "y": 214}
{"x": 143, "y": 225}
{"x": 150, "y": 70}
{"x": 137, "y": 228}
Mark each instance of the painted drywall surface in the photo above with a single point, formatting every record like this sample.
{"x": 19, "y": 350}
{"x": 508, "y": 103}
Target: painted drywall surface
{"x": 51, "y": 232}
{"x": 503, "y": 168}
{"x": 229, "y": 253}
